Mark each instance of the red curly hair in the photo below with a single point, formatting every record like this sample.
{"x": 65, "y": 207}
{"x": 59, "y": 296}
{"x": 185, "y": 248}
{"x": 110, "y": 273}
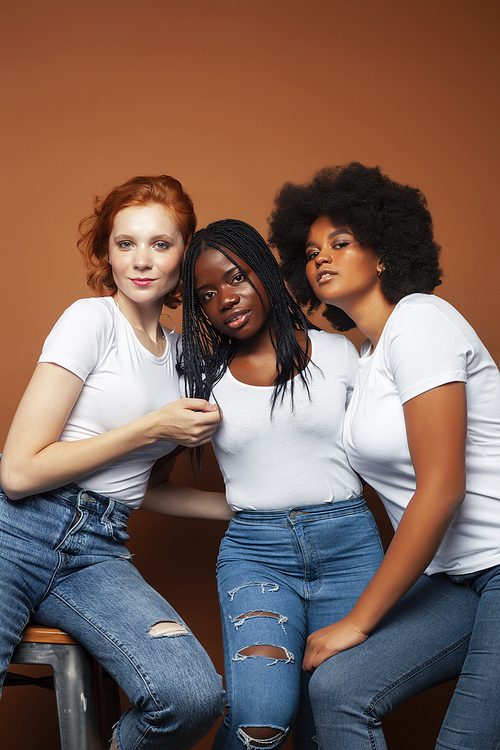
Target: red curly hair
{"x": 95, "y": 229}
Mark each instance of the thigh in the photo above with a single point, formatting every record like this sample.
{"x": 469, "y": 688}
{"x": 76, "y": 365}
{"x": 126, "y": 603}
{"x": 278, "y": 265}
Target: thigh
{"x": 263, "y": 626}
{"x": 421, "y": 643}
{"x": 472, "y": 721}
{"x": 346, "y": 552}
{"x": 113, "y": 612}
{"x": 27, "y": 565}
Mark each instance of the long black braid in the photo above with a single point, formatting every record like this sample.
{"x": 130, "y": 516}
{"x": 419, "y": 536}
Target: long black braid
{"x": 206, "y": 351}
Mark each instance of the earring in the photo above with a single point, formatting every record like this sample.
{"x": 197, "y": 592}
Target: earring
{"x": 380, "y": 270}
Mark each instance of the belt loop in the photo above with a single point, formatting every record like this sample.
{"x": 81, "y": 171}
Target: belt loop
{"x": 108, "y": 511}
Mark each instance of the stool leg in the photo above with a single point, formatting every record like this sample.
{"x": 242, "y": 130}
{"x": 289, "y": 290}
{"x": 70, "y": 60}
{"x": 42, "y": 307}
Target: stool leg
{"x": 74, "y": 686}
{"x": 108, "y": 695}
{"x": 75, "y": 696}
{"x": 79, "y": 690}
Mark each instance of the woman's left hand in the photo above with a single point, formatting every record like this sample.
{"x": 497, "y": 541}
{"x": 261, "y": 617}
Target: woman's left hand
{"x": 329, "y": 641}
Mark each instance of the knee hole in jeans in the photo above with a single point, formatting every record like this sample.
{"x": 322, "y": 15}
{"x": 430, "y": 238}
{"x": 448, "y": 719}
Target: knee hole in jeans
{"x": 261, "y": 737}
{"x": 275, "y": 653}
{"x": 167, "y": 629}
{"x": 241, "y": 619}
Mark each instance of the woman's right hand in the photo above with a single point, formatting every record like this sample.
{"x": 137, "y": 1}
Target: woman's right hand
{"x": 189, "y": 422}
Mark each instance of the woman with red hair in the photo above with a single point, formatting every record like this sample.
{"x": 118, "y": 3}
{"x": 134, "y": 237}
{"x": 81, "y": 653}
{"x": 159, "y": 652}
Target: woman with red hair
{"x": 102, "y": 407}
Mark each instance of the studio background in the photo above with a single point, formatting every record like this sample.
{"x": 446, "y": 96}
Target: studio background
{"x": 233, "y": 97}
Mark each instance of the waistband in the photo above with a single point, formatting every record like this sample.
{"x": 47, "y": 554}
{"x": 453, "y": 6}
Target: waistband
{"x": 304, "y": 512}
{"x": 92, "y": 501}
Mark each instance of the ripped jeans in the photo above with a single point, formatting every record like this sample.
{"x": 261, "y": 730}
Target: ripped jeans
{"x": 63, "y": 561}
{"x": 281, "y": 575}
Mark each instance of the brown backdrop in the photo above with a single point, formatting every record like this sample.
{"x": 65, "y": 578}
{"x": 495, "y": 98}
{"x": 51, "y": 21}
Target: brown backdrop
{"x": 233, "y": 97}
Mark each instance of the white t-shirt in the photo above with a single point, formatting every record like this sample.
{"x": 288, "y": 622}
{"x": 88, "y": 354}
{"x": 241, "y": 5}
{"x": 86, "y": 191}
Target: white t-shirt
{"x": 122, "y": 381}
{"x": 427, "y": 343}
{"x": 294, "y": 457}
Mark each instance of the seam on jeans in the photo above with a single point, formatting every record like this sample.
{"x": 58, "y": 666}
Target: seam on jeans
{"x": 48, "y": 589}
{"x": 319, "y": 579}
{"x": 417, "y": 670}
{"x": 75, "y": 526}
{"x": 370, "y": 517}
{"x": 116, "y": 645}
{"x": 298, "y": 547}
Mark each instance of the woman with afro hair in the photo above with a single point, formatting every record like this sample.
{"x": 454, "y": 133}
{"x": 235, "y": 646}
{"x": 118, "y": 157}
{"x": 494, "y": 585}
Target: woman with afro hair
{"x": 423, "y": 428}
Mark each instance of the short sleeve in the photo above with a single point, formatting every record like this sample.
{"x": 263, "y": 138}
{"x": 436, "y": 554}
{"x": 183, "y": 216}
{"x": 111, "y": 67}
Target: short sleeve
{"x": 425, "y": 349}
{"x": 79, "y": 337}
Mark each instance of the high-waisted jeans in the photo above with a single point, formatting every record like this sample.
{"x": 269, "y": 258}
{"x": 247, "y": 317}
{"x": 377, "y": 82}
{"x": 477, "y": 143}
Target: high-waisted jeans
{"x": 422, "y": 642}
{"x": 64, "y": 562}
{"x": 281, "y": 575}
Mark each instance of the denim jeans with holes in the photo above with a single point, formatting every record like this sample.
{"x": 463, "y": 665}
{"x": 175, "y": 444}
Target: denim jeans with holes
{"x": 281, "y": 575}
{"x": 64, "y": 562}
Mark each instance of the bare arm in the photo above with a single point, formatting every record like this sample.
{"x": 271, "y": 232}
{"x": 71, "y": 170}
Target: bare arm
{"x": 171, "y": 499}
{"x": 34, "y": 461}
{"x": 436, "y": 426}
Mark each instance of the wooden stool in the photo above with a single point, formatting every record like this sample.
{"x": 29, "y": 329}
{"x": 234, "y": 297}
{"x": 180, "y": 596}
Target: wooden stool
{"x": 87, "y": 698}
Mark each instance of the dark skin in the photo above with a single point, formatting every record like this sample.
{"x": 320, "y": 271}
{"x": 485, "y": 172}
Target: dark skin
{"x": 236, "y": 309}
{"x": 224, "y": 292}
{"x": 341, "y": 272}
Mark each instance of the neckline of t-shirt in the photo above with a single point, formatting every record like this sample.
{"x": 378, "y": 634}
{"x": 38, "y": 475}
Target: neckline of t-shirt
{"x": 263, "y": 387}
{"x": 166, "y": 335}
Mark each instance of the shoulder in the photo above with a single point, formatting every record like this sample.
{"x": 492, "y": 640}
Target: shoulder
{"x": 331, "y": 341}
{"x": 334, "y": 354}
{"x": 333, "y": 344}
{"x": 85, "y": 322}
{"x": 424, "y": 319}
{"x": 89, "y": 312}
{"x": 81, "y": 336}
{"x": 426, "y": 343}
{"x": 98, "y": 307}
{"x": 422, "y": 308}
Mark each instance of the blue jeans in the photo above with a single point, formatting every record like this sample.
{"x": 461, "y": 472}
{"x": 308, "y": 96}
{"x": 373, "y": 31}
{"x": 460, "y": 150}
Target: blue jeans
{"x": 281, "y": 575}
{"x": 63, "y": 561}
{"x": 472, "y": 721}
{"x": 422, "y": 642}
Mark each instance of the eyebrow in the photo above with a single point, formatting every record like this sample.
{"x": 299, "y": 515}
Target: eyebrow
{"x": 121, "y": 237}
{"x": 330, "y": 236}
{"x": 224, "y": 275}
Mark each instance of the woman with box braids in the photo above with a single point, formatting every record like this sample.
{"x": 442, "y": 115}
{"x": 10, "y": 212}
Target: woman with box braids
{"x": 216, "y": 348}
{"x": 302, "y": 542}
